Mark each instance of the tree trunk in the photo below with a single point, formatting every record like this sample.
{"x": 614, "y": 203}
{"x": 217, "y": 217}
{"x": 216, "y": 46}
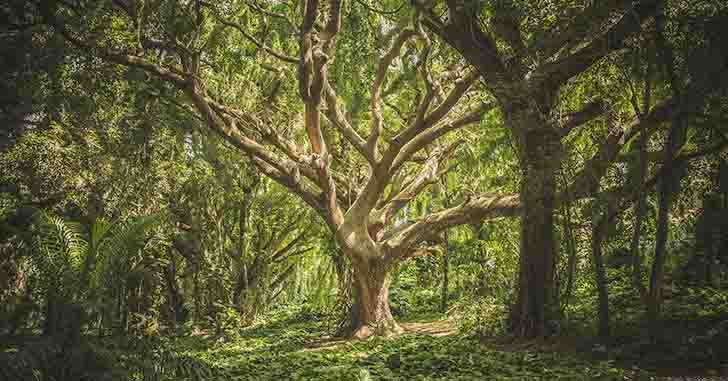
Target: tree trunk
{"x": 658, "y": 265}
{"x": 371, "y": 281}
{"x": 571, "y": 262}
{"x": 641, "y": 206}
{"x": 669, "y": 184}
{"x": 50, "y": 325}
{"x": 634, "y": 248}
{"x": 446, "y": 255}
{"x": 539, "y": 156}
{"x": 344, "y": 283}
{"x": 175, "y": 298}
{"x": 445, "y": 273}
{"x": 598, "y": 232}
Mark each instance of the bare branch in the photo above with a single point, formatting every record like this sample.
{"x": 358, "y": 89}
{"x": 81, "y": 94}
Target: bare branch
{"x": 310, "y": 197}
{"x": 461, "y": 86}
{"x": 429, "y": 136}
{"x": 338, "y": 119}
{"x": 427, "y": 175}
{"x": 506, "y": 26}
{"x": 401, "y": 240}
{"x": 267, "y": 12}
{"x": 173, "y": 76}
{"x": 376, "y": 102}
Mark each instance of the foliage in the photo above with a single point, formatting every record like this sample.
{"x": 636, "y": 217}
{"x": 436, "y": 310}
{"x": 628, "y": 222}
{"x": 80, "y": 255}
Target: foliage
{"x": 126, "y": 210}
{"x": 282, "y": 350}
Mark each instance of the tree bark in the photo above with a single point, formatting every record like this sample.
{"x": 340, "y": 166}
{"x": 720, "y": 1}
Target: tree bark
{"x": 371, "y": 281}
{"x": 539, "y": 154}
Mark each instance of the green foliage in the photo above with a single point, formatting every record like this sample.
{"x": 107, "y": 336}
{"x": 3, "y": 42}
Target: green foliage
{"x": 48, "y": 360}
{"x": 290, "y": 350}
{"x": 483, "y": 317}
{"x": 96, "y": 146}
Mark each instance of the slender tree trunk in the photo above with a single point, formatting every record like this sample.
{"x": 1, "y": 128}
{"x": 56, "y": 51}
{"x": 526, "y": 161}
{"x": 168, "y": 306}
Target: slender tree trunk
{"x": 599, "y": 231}
{"x": 50, "y": 325}
{"x": 371, "y": 281}
{"x": 196, "y": 294}
{"x": 445, "y": 273}
{"x": 175, "y": 299}
{"x": 446, "y": 255}
{"x": 669, "y": 185}
{"x": 571, "y": 261}
{"x": 242, "y": 281}
{"x": 641, "y": 205}
{"x": 634, "y": 248}
{"x": 658, "y": 265}
{"x": 539, "y": 156}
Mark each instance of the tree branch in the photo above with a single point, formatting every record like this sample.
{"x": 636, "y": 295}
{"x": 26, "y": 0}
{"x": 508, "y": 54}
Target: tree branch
{"x": 583, "y": 24}
{"x": 261, "y": 45}
{"x": 338, "y": 119}
{"x": 587, "y": 180}
{"x": 590, "y": 111}
{"x": 429, "y": 136}
{"x": 376, "y": 102}
{"x": 462, "y": 31}
{"x": 555, "y": 74}
{"x": 483, "y": 207}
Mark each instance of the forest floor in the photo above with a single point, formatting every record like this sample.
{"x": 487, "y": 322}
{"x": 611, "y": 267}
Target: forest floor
{"x": 300, "y": 347}
{"x": 434, "y": 349}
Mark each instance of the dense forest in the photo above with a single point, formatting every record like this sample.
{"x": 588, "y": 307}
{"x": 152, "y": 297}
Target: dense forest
{"x": 363, "y": 190}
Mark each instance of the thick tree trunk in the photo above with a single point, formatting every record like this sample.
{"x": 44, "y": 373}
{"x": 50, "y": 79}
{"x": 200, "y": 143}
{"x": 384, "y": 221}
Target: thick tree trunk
{"x": 345, "y": 284}
{"x": 371, "y": 281}
{"x": 539, "y": 154}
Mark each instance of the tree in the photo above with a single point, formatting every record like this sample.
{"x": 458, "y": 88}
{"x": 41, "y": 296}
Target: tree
{"x": 525, "y": 67}
{"x": 357, "y": 217}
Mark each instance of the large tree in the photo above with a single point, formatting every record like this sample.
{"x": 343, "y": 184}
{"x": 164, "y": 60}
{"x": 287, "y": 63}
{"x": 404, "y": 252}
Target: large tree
{"x": 525, "y": 62}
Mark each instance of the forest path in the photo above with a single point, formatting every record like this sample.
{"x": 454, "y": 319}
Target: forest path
{"x": 435, "y": 328}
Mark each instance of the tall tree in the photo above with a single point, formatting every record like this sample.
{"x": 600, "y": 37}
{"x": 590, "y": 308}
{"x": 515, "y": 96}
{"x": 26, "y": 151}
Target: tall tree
{"x": 525, "y": 68}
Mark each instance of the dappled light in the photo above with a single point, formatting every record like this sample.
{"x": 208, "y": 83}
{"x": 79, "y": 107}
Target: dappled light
{"x": 363, "y": 190}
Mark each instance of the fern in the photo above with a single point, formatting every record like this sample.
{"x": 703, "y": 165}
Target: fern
{"x": 59, "y": 253}
{"x": 116, "y": 246}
